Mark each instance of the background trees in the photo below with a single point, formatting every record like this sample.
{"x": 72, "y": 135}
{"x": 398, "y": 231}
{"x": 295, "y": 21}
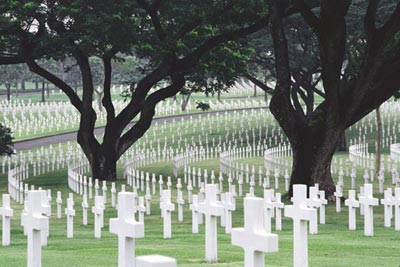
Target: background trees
{"x": 173, "y": 39}
{"x": 6, "y": 143}
{"x": 10, "y": 76}
{"x": 357, "y": 71}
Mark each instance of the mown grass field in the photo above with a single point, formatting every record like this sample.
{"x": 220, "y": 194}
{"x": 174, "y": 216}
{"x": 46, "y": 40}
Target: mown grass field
{"x": 333, "y": 246}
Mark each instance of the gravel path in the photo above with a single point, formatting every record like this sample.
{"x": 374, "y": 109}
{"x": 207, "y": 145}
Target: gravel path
{"x": 60, "y": 138}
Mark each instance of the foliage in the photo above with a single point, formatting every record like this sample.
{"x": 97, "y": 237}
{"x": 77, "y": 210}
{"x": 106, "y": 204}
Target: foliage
{"x": 173, "y": 42}
{"x": 6, "y": 143}
{"x": 10, "y": 75}
{"x": 202, "y": 106}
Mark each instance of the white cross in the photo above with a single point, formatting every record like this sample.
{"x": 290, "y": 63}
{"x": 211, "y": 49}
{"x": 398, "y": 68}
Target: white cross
{"x": 338, "y": 194}
{"x": 70, "y": 212}
{"x": 148, "y": 201}
{"x": 352, "y": 203}
{"x": 127, "y": 229}
{"x": 46, "y": 211}
{"x": 269, "y": 208}
{"x": 90, "y": 185}
{"x": 381, "y": 180}
{"x": 113, "y": 193}
{"x": 253, "y": 238}
{"x": 6, "y": 212}
{"x": 34, "y": 223}
{"x": 230, "y": 206}
{"x": 211, "y": 210}
{"x": 278, "y": 211}
{"x": 166, "y": 208}
{"x": 96, "y": 187}
{"x": 85, "y": 207}
{"x": 194, "y": 207}
{"x": 314, "y": 202}
{"x": 179, "y": 200}
{"x": 324, "y": 202}
{"x": 397, "y": 209}
{"x": 300, "y": 214}
{"x": 104, "y": 188}
{"x": 142, "y": 209}
{"x": 368, "y": 201}
{"x": 388, "y": 203}
{"x": 98, "y": 211}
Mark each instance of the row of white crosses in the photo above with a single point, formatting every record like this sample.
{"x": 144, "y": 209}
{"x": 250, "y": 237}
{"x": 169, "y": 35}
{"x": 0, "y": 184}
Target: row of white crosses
{"x": 125, "y": 226}
{"x": 278, "y": 157}
{"x": 181, "y": 159}
{"x": 36, "y": 118}
{"x": 367, "y": 202}
{"x": 145, "y": 142}
{"x": 202, "y": 118}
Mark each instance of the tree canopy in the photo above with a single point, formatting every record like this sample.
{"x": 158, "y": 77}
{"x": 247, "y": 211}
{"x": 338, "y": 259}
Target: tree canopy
{"x": 176, "y": 41}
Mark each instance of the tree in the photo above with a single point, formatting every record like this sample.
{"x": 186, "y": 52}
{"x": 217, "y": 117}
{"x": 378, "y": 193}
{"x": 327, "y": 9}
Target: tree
{"x": 6, "y": 143}
{"x": 358, "y": 73}
{"x": 10, "y": 76}
{"x": 175, "y": 38}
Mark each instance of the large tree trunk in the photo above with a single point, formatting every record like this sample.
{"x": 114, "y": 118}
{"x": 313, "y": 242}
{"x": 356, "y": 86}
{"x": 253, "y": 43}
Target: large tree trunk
{"x": 312, "y": 157}
{"x": 342, "y": 144}
{"x": 104, "y": 164}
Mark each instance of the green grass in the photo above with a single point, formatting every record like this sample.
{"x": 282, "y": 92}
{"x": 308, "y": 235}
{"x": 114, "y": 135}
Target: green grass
{"x": 333, "y": 246}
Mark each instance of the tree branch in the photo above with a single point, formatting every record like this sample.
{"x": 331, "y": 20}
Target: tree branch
{"x": 369, "y": 20}
{"x": 10, "y": 60}
{"x": 152, "y": 11}
{"x": 86, "y": 137}
{"x": 138, "y": 96}
{"x": 298, "y": 108}
{"x": 260, "y": 84}
{"x": 148, "y": 112}
{"x": 312, "y": 20}
{"x": 280, "y": 105}
{"x": 73, "y": 97}
{"x": 107, "y": 101}
{"x": 392, "y": 25}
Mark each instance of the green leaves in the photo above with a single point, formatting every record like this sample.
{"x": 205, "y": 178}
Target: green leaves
{"x": 6, "y": 143}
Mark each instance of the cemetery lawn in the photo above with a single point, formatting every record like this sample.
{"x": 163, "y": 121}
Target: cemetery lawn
{"x": 333, "y": 246}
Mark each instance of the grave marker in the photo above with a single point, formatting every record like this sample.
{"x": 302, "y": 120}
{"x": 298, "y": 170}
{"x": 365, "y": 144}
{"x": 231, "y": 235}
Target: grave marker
{"x": 211, "y": 210}
{"x": 253, "y": 238}
{"x": 368, "y": 202}
{"x": 127, "y": 229}
{"x": 352, "y": 203}
{"x": 300, "y": 214}
{"x": 7, "y": 213}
